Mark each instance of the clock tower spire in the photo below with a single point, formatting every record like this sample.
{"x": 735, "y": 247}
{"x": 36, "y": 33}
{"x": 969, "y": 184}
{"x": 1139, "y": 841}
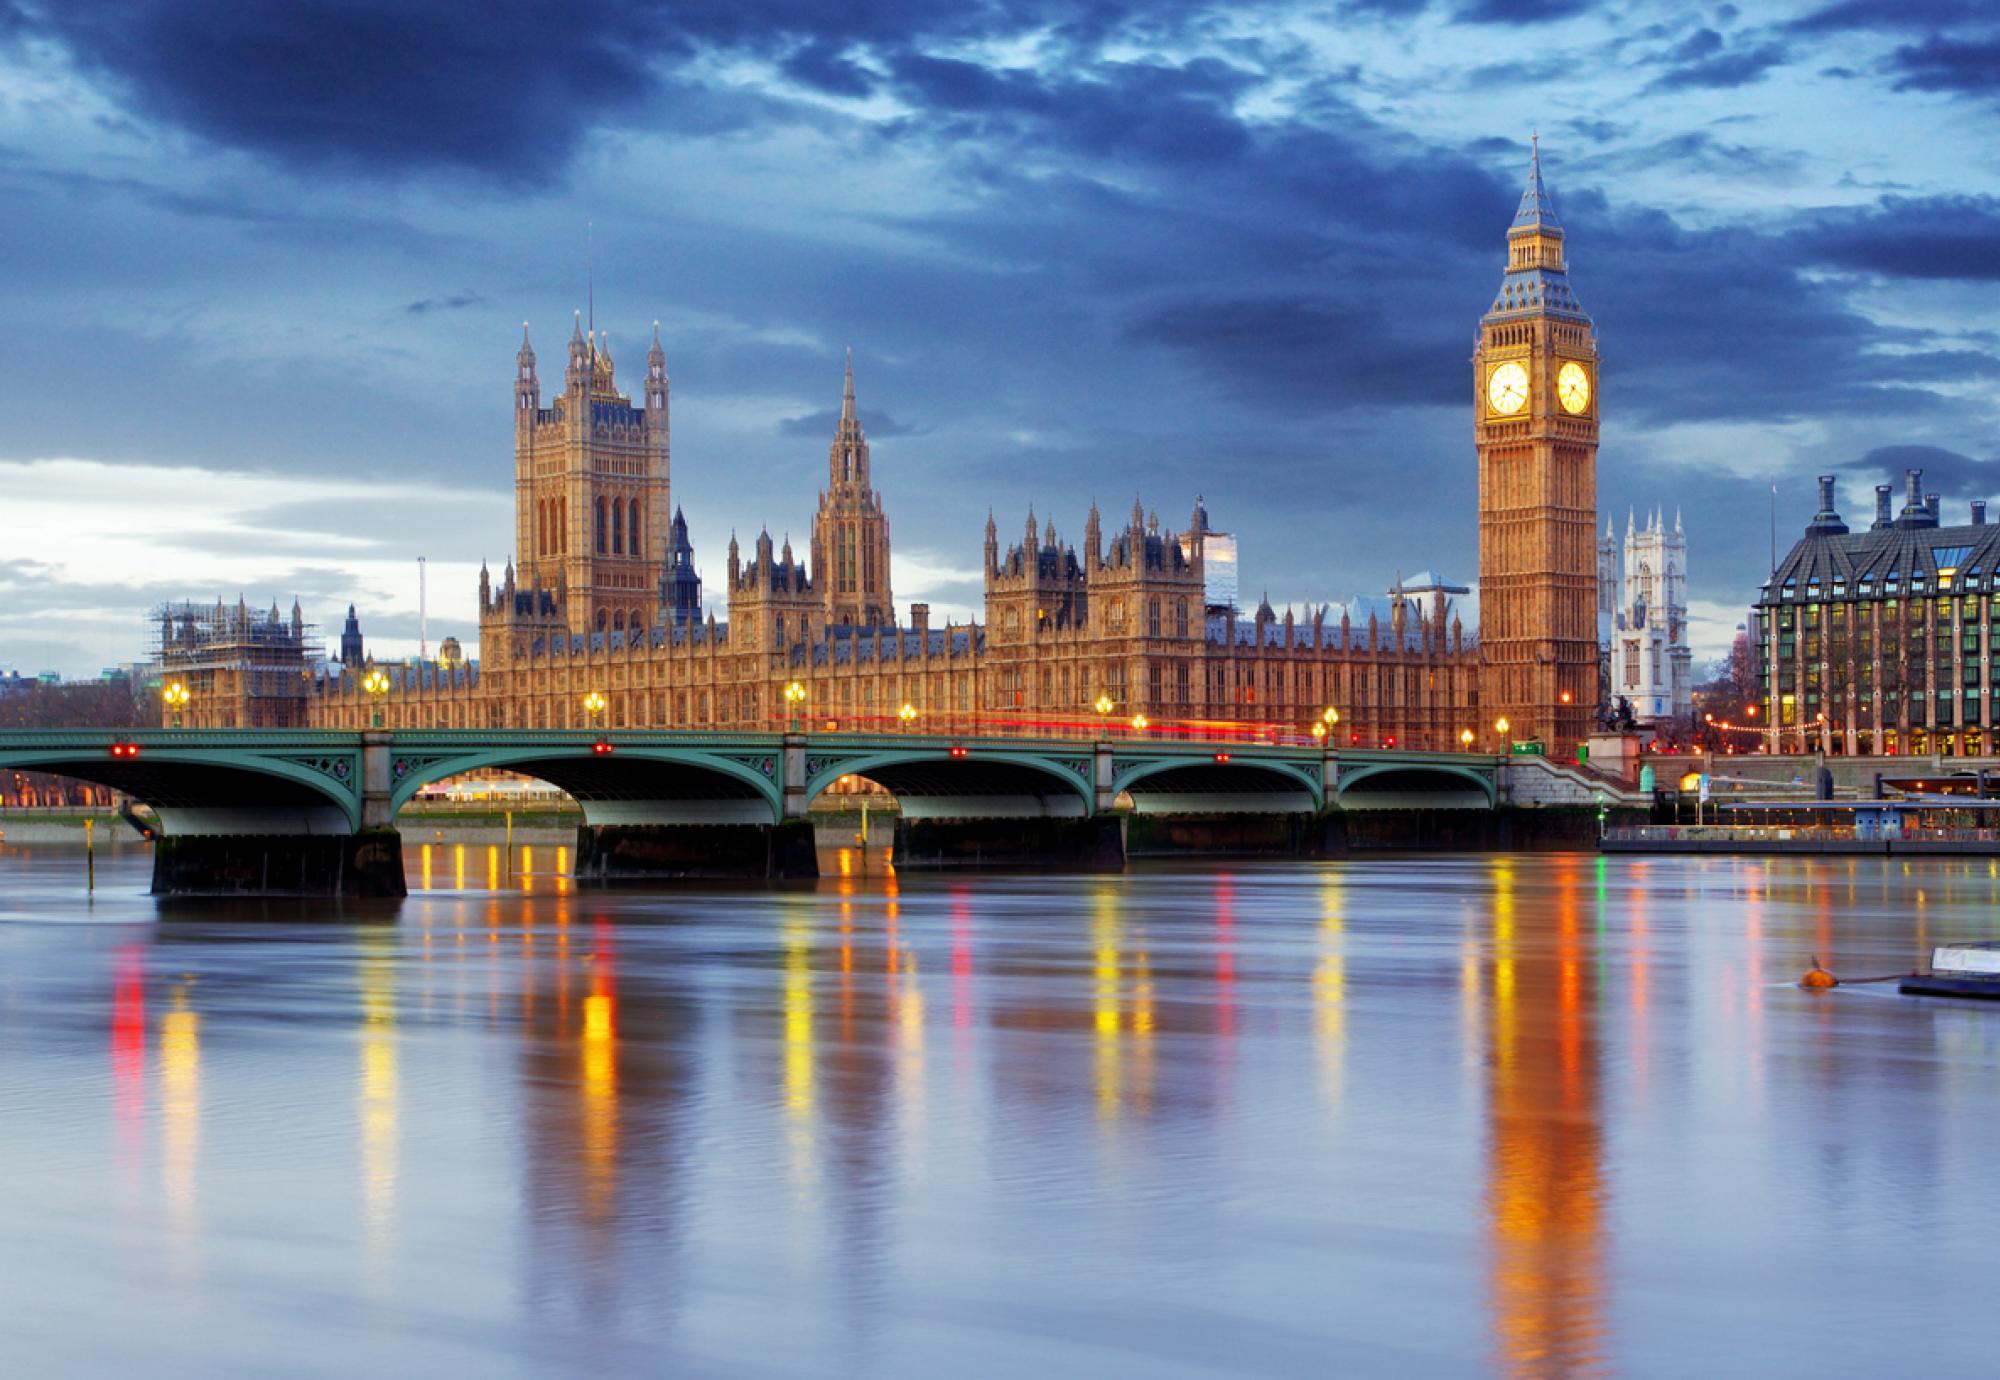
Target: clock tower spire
{"x": 1535, "y": 425}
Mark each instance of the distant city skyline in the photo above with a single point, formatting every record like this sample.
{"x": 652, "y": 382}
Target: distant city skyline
{"x": 264, "y": 324}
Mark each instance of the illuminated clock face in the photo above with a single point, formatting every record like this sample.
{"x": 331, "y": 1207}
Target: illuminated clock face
{"x": 1507, "y": 388}
{"x": 1573, "y": 387}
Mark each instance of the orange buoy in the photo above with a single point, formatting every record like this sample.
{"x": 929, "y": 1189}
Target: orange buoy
{"x": 1817, "y": 976}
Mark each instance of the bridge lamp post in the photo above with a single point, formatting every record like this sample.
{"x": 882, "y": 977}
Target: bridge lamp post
{"x": 908, "y": 714}
{"x": 1104, "y": 706}
{"x": 375, "y": 685}
{"x": 1465, "y": 739}
{"x": 594, "y": 704}
{"x": 1319, "y": 733}
{"x": 1500, "y": 726}
{"x": 176, "y": 697}
{"x": 795, "y": 695}
{"x": 1140, "y": 723}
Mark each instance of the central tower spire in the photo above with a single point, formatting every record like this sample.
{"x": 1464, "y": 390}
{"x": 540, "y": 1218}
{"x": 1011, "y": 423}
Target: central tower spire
{"x": 850, "y": 532}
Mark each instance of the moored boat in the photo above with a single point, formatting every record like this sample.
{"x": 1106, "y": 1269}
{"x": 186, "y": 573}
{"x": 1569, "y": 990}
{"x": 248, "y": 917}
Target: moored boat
{"x": 1958, "y": 970}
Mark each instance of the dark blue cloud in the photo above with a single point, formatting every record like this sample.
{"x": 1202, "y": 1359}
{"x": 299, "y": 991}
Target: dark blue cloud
{"x": 457, "y": 301}
{"x": 1915, "y": 15}
{"x": 1946, "y": 472}
{"x": 1718, "y": 70}
{"x": 1968, "y": 67}
{"x": 1950, "y": 237}
{"x": 1521, "y": 11}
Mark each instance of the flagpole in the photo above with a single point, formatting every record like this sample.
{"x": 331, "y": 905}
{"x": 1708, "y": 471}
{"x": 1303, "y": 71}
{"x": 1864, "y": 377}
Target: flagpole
{"x": 1774, "y": 528}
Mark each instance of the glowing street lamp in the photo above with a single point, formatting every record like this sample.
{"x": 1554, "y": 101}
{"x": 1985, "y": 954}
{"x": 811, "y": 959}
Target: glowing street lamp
{"x": 1319, "y": 733}
{"x": 1104, "y": 707}
{"x": 594, "y": 704}
{"x": 376, "y": 685}
{"x": 1330, "y": 718}
{"x": 1140, "y": 723}
{"x": 176, "y": 697}
{"x": 908, "y": 714}
{"x": 1465, "y": 739}
{"x": 795, "y": 695}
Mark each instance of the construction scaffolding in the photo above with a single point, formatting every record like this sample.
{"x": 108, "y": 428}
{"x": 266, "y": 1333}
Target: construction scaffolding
{"x": 241, "y": 669}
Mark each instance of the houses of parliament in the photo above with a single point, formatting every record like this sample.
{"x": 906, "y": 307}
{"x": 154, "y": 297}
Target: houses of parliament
{"x": 1115, "y": 631}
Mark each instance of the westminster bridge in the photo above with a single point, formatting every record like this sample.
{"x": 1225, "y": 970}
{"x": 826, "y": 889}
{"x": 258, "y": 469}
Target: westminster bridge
{"x": 314, "y": 811}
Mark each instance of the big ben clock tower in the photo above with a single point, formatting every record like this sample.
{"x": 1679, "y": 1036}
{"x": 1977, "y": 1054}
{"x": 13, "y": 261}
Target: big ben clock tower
{"x": 1535, "y": 404}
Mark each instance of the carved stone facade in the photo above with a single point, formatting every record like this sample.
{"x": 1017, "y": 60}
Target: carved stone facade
{"x": 609, "y": 604}
{"x": 1535, "y": 409}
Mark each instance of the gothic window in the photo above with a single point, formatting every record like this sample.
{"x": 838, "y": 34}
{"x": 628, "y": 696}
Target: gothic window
{"x": 638, "y": 546}
{"x": 618, "y": 622}
{"x": 1153, "y": 616}
{"x": 1153, "y": 684}
{"x": 1181, "y": 618}
{"x": 602, "y": 536}
{"x": 617, "y": 528}
{"x": 634, "y": 622}
{"x": 1632, "y": 663}
{"x": 603, "y": 620}
{"x": 561, "y": 542}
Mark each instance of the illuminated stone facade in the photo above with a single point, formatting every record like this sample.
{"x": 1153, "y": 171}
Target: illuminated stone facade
{"x": 600, "y": 601}
{"x": 1535, "y": 409}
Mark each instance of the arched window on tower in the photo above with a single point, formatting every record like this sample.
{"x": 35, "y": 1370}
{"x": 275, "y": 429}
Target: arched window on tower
{"x": 561, "y": 542}
{"x": 600, "y": 527}
{"x": 635, "y": 623}
{"x": 1181, "y": 619}
{"x": 617, "y": 528}
{"x": 618, "y": 621}
{"x": 633, "y": 526}
{"x": 603, "y": 620}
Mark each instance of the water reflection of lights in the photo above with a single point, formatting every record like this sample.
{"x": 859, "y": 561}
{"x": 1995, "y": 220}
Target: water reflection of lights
{"x": 600, "y": 1082}
{"x": 180, "y": 1111}
{"x": 796, "y": 938}
{"x": 1545, "y": 1182}
{"x": 1329, "y": 991}
{"x": 128, "y": 1053}
{"x": 1115, "y": 1015}
{"x": 424, "y": 863}
{"x": 458, "y": 866}
{"x": 377, "y": 1101}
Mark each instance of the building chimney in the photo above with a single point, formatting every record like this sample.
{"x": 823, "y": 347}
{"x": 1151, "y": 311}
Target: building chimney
{"x": 1826, "y": 521}
{"x": 1882, "y": 492}
{"x": 1913, "y": 492}
{"x": 1933, "y": 505}
{"x": 1978, "y": 512}
{"x": 920, "y": 619}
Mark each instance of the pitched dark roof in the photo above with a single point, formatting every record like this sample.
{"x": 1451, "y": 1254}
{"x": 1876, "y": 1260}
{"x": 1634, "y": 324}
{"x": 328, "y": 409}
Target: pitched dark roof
{"x": 1817, "y": 560}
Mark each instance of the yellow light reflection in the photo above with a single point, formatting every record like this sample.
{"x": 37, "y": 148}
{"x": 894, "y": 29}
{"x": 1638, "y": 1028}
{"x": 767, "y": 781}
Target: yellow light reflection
{"x": 1546, "y": 1277}
{"x": 458, "y": 866}
{"x": 1329, "y": 991}
{"x": 377, "y": 1100}
{"x": 180, "y": 1111}
{"x": 1121, "y": 1017}
{"x": 798, "y": 1014}
{"x": 424, "y": 858}
{"x": 599, "y": 1088}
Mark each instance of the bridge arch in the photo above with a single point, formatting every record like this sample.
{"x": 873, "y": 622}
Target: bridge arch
{"x": 1236, "y": 786}
{"x": 986, "y": 783}
{"x": 197, "y": 788}
{"x": 1415, "y": 786}
{"x": 630, "y": 785}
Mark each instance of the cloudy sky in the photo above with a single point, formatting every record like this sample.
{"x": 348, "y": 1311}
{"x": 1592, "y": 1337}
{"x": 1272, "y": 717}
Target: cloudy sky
{"x": 265, "y": 268}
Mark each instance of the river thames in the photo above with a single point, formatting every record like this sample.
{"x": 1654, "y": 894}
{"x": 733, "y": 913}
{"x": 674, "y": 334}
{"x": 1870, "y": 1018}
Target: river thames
{"x": 1452, "y": 1115}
